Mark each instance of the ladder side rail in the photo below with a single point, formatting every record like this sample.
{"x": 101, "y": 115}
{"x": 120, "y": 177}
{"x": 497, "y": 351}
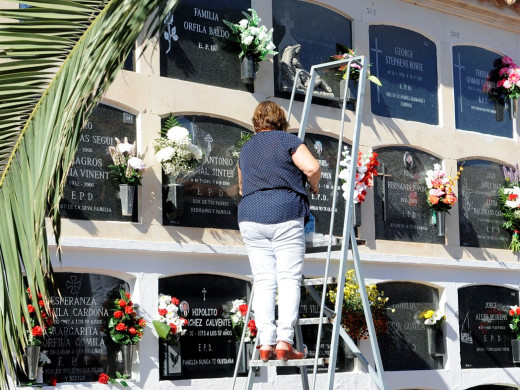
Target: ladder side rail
{"x": 331, "y": 228}
{"x": 303, "y": 369}
{"x": 251, "y": 373}
{"x": 243, "y": 336}
{"x": 293, "y": 93}
{"x": 344, "y": 335}
{"x": 307, "y": 104}
{"x": 368, "y": 315}
{"x": 347, "y": 225}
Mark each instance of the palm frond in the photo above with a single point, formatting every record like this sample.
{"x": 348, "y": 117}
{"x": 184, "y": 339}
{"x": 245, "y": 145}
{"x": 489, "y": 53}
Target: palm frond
{"x": 57, "y": 58}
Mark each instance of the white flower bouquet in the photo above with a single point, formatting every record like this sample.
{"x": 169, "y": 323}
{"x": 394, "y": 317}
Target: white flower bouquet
{"x": 128, "y": 166}
{"x": 175, "y": 150}
{"x": 433, "y": 318}
{"x": 255, "y": 41}
{"x": 237, "y": 311}
{"x": 170, "y": 325}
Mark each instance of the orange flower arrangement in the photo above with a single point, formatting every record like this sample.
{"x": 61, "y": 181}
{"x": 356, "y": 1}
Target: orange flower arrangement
{"x": 440, "y": 193}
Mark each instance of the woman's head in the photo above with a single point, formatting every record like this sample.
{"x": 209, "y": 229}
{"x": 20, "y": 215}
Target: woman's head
{"x": 269, "y": 116}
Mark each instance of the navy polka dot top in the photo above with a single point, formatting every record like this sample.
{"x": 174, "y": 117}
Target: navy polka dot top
{"x": 273, "y": 188}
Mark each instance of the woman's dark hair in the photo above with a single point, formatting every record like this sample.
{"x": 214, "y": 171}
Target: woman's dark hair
{"x": 269, "y": 116}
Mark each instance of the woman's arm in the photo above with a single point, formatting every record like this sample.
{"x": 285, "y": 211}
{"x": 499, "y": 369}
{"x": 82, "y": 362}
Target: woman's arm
{"x": 310, "y": 167}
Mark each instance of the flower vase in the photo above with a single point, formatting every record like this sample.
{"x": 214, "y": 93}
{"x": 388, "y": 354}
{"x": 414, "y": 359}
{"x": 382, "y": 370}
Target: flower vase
{"x": 39, "y": 376}
{"x": 247, "y": 70}
{"x": 127, "y": 358}
{"x": 31, "y": 358}
{"x": 174, "y": 207}
{"x": 499, "y": 111}
{"x": 351, "y": 91}
{"x": 171, "y": 362}
{"x": 512, "y": 108}
{"x": 247, "y": 353}
{"x": 435, "y": 338}
{"x": 515, "y": 349}
{"x": 440, "y": 221}
{"x": 127, "y": 195}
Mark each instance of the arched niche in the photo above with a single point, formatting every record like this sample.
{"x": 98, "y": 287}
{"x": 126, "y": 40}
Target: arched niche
{"x": 404, "y": 346}
{"x": 196, "y": 45}
{"x": 209, "y": 347}
{"x": 208, "y": 198}
{"x": 400, "y": 202}
{"x": 91, "y": 192}
{"x": 480, "y": 218}
{"x": 484, "y": 333}
{"x": 473, "y": 110}
{"x": 493, "y": 387}
{"x": 405, "y": 61}
{"x": 80, "y": 347}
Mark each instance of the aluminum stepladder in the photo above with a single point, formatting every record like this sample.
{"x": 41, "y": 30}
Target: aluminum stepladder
{"x": 348, "y": 241}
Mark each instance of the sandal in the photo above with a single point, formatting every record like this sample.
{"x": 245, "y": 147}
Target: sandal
{"x": 266, "y": 354}
{"x": 287, "y": 353}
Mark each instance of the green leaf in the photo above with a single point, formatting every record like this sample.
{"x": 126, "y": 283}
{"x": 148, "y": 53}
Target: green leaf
{"x": 57, "y": 65}
{"x": 162, "y": 329}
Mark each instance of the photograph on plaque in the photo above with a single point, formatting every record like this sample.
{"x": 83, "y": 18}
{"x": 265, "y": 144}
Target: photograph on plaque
{"x": 401, "y": 209}
{"x": 484, "y": 333}
{"x": 209, "y": 347}
{"x": 91, "y": 191}
{"x": 197, "y": 46}
{"x": 405, "y": 346}
{"x": 307, "y": 34}
{"x": 80, "y": 348}
{"x": 208, "y": 197}
{"x": 405, "y": 62}
{"x": 473, "y": 109}
{"x": 480, "y": 217}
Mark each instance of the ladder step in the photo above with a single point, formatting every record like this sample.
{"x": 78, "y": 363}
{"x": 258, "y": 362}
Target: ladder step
{"x": 311, "y": 321}
{"x": 318, "y": 281}
{"x": 288, "y": 363}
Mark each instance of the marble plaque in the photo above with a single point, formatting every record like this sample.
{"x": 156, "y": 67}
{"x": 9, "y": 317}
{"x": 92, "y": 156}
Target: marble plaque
{"x": 208, "y": 348}
{"x": 325, "y": 150}
{"x": 473, "y": 110}
{"x": 406, "y": 64}
{"x": 484, "y": 333}
{"x": 80, "y": 348}
{"x": 480, "y": 218}
{"x": 405, "y": 346}
{"x": 401, "y": 208}
{"x": 196, "y": 46}
{"x": 91, "y": 191}
{"x": 209, "y": 198}
{"x": 317, "y": 30}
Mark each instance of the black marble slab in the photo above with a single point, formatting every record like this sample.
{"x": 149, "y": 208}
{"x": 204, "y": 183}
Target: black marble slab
{"x": 406, "y": 64}
{"x": 480, "y": 218}
{"x": 484, "y": 333}
{"x": 473, "y": 110}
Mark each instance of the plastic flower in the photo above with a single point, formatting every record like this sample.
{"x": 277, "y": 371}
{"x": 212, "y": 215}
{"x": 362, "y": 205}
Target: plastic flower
{"x": 237, "y": 311}
{"x": 36, "y": 331}
{"x": 440, "y": 193}
{"x": 169, "y": 325}
{"x": 503, "y": 80}
{"x": 509, "y": 199}
{"x": 254, "y": 40}
{"x": 355, "y": 67}
{"x": 128, "y": 166}
{"x": 124, "y": 324}
{"x": 175, "y": 151}
{"x": 365, "y": 170}
{"x": 433, "y": 318}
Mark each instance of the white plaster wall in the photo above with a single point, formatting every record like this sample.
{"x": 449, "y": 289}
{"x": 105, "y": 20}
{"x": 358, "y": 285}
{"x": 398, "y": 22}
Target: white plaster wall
{"x": 144, "y": 251}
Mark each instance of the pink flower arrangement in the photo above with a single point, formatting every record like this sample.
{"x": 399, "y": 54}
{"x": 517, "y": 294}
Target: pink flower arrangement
{"x": 365, "y": 171}
{"x": 503, "y": 81}
{"x": 440, "y": 193}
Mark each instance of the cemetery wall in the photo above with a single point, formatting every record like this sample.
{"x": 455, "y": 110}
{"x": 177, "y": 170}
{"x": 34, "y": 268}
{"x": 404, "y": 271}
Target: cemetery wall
{"x": 428, "y": 55}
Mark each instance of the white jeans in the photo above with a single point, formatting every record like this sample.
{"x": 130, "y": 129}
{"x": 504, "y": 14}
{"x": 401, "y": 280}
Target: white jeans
{"x": 276, "y": 255}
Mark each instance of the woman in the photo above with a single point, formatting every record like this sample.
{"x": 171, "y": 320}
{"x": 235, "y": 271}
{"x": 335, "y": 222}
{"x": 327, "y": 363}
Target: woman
{"x": 273, "y": 169}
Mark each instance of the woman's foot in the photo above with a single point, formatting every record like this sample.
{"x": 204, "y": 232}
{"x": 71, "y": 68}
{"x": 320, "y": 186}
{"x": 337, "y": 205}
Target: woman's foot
{"x": 285, "y": 351}
{"x": 267, "y": 352}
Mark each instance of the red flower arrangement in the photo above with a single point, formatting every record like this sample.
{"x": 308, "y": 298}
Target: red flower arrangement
{"x": 125, "y": 326}
{"x": 365, "y": 171}
{"x": 503, "y": 81}
{"x": 37, "y": 330}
